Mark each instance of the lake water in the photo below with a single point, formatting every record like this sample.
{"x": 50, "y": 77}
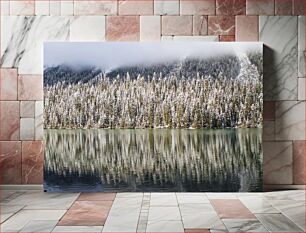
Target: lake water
{"x": 153, "y": 160}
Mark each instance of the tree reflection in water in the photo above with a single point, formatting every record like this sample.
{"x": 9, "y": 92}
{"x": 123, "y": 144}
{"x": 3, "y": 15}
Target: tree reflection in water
{"x": 153, "y": 160}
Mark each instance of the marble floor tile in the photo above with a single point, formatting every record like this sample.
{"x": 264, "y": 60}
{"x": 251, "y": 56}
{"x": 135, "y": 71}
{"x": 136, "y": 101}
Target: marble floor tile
{"x": 237, "y": 225}
{"x": 192, "y": 198}
{"x": 23, "y": 217}
{"x": 165, "y": 226}
{"x": 129, "y": 195}
{"x": 258, "y": 205}
{"x": 298, "y": 195}
{"x": 168, "y": 213}
{"x": 127, "y": 202}
{"x": 163, "y": 199}
{"x": 75, "y": 229}
{"x": 6, "y": 211}
{"x": 39, "y": 226}
{"x": 221, "y": 195}
{"x": 97, "y": 197}
{"x": 278, "y": 223}
{"x": 4, "y": 194}
{"x": 195, "y": 230}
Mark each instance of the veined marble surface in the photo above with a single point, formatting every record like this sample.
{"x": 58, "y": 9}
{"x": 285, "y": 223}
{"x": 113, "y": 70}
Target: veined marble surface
{"x": 301, "y": 47}
{"x": 280, "y": 36}
{"x": 22, "y": 40}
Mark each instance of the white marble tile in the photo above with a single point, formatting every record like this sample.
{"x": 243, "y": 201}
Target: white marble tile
{"x": 166, "y": 38}
{"x": 127, "y": 202}
{"x": 164, "y": 7}
{"x": 106, "y": 7}
{"x": 66, "y": 7}
{"x": 23, "y": 217}
{"x": 39, "y": 226}
{"x": 190, "y": 198}
{"x": 221, "y": 195}
{"x": 55, "y": 8}
{"x": 165, "y": 226}
{"x": 5, "y": 7}
{"x": 301, "y": 46}
{"x": 87, "y": 28}
{"x": 258, "y": 205}
{"x": 268, "y": 133}
{"x": 168, "y": 213}
{"x": 27, "y": 109}
{"x": 23, "y": 37}
{"x": 301, "y": 89}
{"x": 196, "y": 38}
{"x": 294, "y": 195}
{"x": 8, "y": 210}
{"x": 150, "y": 28}
{"x": 290, "y": 120}
{"x": 22, "y": 7}
{"x": 279, "y": 34}
{"x": 129, "y": 195}
{"x": 277, "y": 223}
{"x": 39, "y": 120}
{"x": 277, "y": 167}
{"x": 42, "y": 7}
{"x": 76, "y": 229}
{"x": 242, "y": 225}
{"x": 27, "y": 129}
{"x": 163, "y": 199}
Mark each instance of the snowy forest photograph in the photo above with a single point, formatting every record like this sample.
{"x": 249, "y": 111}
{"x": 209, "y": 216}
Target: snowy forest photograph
{"x": 153, "y": 116}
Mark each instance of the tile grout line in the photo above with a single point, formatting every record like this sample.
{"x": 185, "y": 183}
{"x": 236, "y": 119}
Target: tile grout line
{"x": 143, "y": 216}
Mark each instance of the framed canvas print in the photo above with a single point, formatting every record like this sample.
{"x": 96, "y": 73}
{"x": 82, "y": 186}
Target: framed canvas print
{"x": 153, "y": 117}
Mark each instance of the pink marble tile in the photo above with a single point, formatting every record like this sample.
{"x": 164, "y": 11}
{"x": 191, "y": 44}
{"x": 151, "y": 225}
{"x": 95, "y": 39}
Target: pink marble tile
{"x": 30, "y": 87}
{"x": 176, "y": 25}
{"x": 86, "y": 213}
{"x": 227, "y": 38}
{"x": 283, "y": 7}
{"x": 32, "y": 162}
{"x": 97, "y": 197}
{"x": 122, "y": 28}
{"x": 200, "y": 25}
{"x": 298, "y": 7}
{"x": 221, "y": 25}
{"x": 196, "y": 7}
{"x": 105, "y": 7}
{"x": 269, "y": 110}
{"x": 230, "y": 7}
{"x": 136, "y": 7}
{"x": 9, "y": 120}
{"x": 231, "y": 209}
{"x": 247, "y": 28}
{"x": 22, "y": 7}
{"x": 8, "y": 84}
{"x": 260, "y": 7}
{"x": 10, "y": 162}
{"x": 299, "y": 162}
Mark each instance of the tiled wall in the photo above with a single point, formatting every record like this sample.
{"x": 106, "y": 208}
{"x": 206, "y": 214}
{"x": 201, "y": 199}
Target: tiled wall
{"x": 26, "y": 24}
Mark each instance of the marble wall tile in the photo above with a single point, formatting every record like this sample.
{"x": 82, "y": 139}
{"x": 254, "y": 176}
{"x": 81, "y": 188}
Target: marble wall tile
{"x": 42, "y": 7}
{"x": 19, "y": 33}
{"x": 301, "y": 89}
{"x": 166, "y": 7}
{"x": 30, "y": 87}
{"x": 135, "y": 7}
{"x": 283, "y": 7}
{"x": 166, "y": 38}
{"x": 95, "y": 7}
{"x": 268, "y": 133}
{"x": 66, "y": 7}
{"x": 176, "y": 25}
{"x": 299, "y": 162}
{"x": 8, "y": 84}
{"x": 301, "y": 46}
{"x": 87, "y": 28}
{"x": 247, "y": 28}
{"x": 5, "y": 7}
{"x": 22, "y": 7}
{"x": 200, "y": 25}
{"x": 269, "y": 110}
{"x": 221, "y": 25}
{"x": 290, "y": 120}
{"x": 260, "y": 7}
{"x": 10, "y": 162}
{"x": 298, "y": 7}
{"x": 9, "y": 120}
{"x": 277, "y": 162}
{"x": 27, "y": 109}
{"x": 279, "y": 34}
{"x": 230, "y": 7}
{"x": 27, "y": 130}
{"x": 150, "y": 28}
{"x": 196, "y": 38}
{"x": 192, "y": 7}
{"x": 32, "y": 162}
{"x": 122, "y": 28}
{"x": 223, "y": 38}
{"x": 55, "y": 8}
{"x": 39, "y": 120}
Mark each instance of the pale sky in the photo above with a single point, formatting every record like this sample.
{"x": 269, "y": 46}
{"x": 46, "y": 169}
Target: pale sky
{"x": 109, "y": 55}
